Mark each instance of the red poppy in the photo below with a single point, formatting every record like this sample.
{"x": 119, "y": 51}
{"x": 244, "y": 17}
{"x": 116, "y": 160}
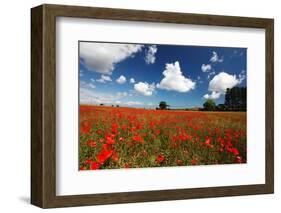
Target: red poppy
{"x": 160, "y": 158}
{"x": 193, "y": 162}
{"x": 88, "y": 161}
{"x": 104, "y": 155}
{"x": 235, "y": 151}
{"x": 85, "y": 128}
{"x": 109, "y": 140}
{"x": 138, "y": 139}
{"x": 115, "y": 156}
{"x": 82, "y": 168}
{"x": 94, "y": 166}
{"x": 239, "y": 159}
{"x": 208, "y": 142}
{"x": 179, "y": 162}
{"x": 127, "y": 165}
{"x": 91, "y": 143}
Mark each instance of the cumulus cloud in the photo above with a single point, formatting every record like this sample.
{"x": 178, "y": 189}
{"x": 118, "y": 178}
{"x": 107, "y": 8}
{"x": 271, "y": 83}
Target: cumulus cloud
{"x": 144, "y": 88}
{"x": 132, "y": 81}
{"x": 104, "y": 78}
{"x": 214, "y": 95}
{"x": 150, "y": 54}
{"x": 174, "y": 79}
{"x": 206, "y": 67}
{"x": 121, "y": 80}
{"x": 215, "y": 58}
{"x": 102, "y": 57}
{"x": 220, "y": 83}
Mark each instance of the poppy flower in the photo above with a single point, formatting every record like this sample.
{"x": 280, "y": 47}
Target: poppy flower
{"x": 104, "y": 155}
{"x": 82, "y": 168}
{"x": 85, "y": 128}
{"x": 193, "y": 162}
{"x": 138, "y": 139}
{"x": 235, "y": 151}
{"x": 208, "y": 142}
{"x": 91, "y": 143}
{"x": 238, "y": 159}
{"x": 88, "y": 161}
{"x": 127, "y": 166}
{"x": 160, "y": 158}
{"x": 94, "y": 166}
{"x": 115, "y": 156}
{"x": 179, "y": 162}
{"x": 109, "y": 140}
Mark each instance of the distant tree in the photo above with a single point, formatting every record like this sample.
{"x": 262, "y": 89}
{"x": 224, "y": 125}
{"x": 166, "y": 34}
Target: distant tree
{"x": 112, "y": 105}
{"x": 221, "y": 107}
{"x": 209, "y": 105}
{"x": 163, "y": 105}
{"x": 117, "y": 105}
{"x": 236, "y": 99}
{"x": 101, "y": 104}
{"x": 157, "y": 108}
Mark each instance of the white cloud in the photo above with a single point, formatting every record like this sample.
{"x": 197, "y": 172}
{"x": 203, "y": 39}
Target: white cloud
{"x": 221, "y": 82}
{"x": 102, "y": 57}
{"x": 144, "y": 88}
{"x": 132, "y": 81}
{"x": 174, "y": 80}
{"x": 206, "y": 67}
{"x": 214, "y": 95}
{"x": 215, "y": 58}
{"x": 150, "y": 54}
{"x": 121, "y": 80}
{"x": 104, "y": 78}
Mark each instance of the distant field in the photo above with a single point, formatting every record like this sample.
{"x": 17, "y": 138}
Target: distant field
{"x": 113, "y": 138}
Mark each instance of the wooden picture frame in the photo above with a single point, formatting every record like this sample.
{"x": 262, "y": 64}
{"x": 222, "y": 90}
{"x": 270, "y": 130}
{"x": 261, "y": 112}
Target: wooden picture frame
{"x": 43, "y": 105}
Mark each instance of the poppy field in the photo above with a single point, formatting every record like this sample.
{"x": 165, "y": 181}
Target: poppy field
{"x": 120, "y": 137}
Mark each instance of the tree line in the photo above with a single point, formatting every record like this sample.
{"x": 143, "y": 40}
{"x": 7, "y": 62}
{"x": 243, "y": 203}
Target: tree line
{"x": 235, "y": 100}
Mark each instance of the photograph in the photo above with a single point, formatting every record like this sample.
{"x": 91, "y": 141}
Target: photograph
{"x": 161, "y": 105}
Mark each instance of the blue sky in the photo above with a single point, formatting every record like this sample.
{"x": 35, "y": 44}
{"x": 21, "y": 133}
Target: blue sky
{"x": 142, "y": 75}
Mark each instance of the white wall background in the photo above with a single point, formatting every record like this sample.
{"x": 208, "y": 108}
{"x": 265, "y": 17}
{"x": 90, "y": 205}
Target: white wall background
{"x": 15, "y": 105}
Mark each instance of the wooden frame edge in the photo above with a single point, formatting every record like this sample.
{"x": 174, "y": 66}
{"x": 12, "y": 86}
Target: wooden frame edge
{"x": 43, "y": 105}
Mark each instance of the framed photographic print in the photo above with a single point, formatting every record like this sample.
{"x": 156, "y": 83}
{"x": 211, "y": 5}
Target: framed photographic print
{"x": 137, "y": 106}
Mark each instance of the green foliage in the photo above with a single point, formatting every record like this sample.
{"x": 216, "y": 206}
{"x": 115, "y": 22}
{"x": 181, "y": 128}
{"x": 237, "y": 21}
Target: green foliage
{"x": 209, "y": 105}
{"x": 236, "y": 99}
{"x": 163, "y": 105}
